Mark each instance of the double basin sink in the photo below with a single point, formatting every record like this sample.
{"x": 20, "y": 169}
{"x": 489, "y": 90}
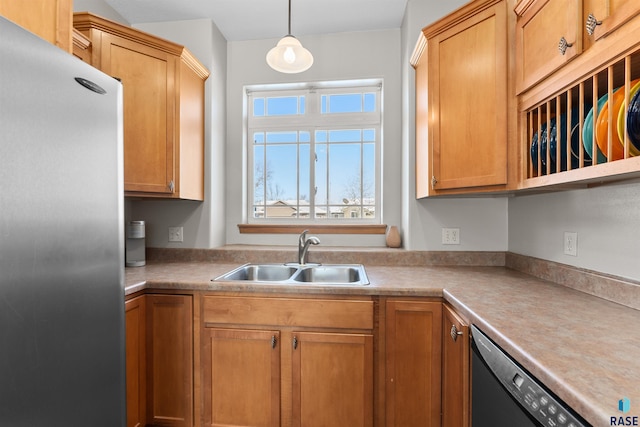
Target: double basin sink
{"x": 320, "y": 274}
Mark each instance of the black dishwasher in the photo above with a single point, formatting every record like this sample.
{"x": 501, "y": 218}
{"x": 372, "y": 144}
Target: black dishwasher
{"x": 505, "y": 395}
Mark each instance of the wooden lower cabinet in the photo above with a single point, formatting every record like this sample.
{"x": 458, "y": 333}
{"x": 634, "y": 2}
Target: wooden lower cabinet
{"x": 332, "y": 376}
{"x": 413, "y": 363}
{"x": 241, "y": 370}
{"x": 455, "y": 370}
{"x": 170, "y": 360}
{"x": 312, "y": 367}
{"x": 136, "y": 325}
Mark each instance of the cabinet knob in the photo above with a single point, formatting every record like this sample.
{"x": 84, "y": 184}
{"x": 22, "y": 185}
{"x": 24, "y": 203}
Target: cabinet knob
{"x": 592, "y": 23}
{"x": 274, "y": 341}
{"x": 434, "y": 181}
{"x": 454, "y": 333}
{"x": 171, "y": 186}
{"x": 563, "y": 45}
{"x": 295, "y": 343}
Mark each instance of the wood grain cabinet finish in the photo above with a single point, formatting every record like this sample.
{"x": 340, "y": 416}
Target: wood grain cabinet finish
{"x": 287, "y": 362}
{"x": 542, "y": 26}
{"x": 135, "y": 345}
{"x": 413, "y": 363}
{"x": 463, "y": 101}
{"x": 163, "y": 88}
{"x": 455, "y": 370}
{"x": 539, "y": 34}
{"x": 52, "y": 20}
{"x": 241, "y": 370}
{"x": 332, "y": 376}
{"x": 169, "y": 367}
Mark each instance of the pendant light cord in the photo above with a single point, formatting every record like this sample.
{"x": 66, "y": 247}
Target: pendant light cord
{"x": 289, "y": 18}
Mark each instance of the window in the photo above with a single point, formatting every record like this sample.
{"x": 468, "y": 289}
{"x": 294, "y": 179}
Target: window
{"x": 314, "y": 153}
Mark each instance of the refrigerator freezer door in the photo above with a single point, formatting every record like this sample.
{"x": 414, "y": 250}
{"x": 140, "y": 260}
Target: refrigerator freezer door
{"x": 61, "y": 239}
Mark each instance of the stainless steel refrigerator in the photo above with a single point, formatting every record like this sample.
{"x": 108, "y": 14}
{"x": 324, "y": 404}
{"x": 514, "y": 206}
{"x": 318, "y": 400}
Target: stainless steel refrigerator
{"x": 61, "y": 238}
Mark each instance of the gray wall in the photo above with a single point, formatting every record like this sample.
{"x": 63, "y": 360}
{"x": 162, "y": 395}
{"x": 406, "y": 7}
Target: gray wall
{"x": 606, "y": 218}
{"x": 336, "y": 57}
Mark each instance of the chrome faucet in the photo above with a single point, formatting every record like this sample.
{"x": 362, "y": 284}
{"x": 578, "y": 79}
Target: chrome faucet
{"x": 303, "y": 245}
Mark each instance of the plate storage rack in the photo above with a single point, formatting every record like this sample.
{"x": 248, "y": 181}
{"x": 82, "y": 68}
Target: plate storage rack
{"x": 579, "y": 134}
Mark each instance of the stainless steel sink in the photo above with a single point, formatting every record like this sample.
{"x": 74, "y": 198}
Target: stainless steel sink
{"x": 329, "y": 274}
{"x": 260, "y": 273}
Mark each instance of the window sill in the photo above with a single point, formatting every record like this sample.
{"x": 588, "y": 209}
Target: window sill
{"x": 313, "y": 228}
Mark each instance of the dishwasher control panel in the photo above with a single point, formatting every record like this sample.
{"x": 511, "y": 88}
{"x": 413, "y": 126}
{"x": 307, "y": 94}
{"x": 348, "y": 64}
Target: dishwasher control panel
{"x": 539, "y": 402}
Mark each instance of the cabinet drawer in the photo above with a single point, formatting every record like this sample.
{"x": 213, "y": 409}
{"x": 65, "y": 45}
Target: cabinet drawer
{"x": 319, "y": 313}
{"x": 538, "y": 33}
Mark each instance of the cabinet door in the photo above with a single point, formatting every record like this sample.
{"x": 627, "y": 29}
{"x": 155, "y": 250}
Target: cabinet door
{"x": 332, "y": 376}
{"x": 539, "y": 32}
{"x": 467, "y": 84}
{"x": 241, "y": 378}
{"x": 51, "y": 20}
{"x": 413, "y": 353}
{"x": 455, "y": 370}
{"x": 169, "y": 360}
{"x": 610, "y": 14}
{"x": 148, "y": 77}
{"x": 135, "y": 325}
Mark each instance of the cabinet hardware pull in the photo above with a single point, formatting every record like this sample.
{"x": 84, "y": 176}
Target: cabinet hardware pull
{"x": 295, "y": 343}
{"x": 274, "y": 341}
{"x": 563, "y": 45}
{"x": 434, "y": 181}
{"x": 592, "y": 23}
{"x": 454, "y": 333}
{"x": 171, "y": 186}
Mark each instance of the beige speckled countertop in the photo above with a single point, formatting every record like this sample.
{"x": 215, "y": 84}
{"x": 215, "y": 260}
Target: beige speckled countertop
{"x": 584, "y": 348}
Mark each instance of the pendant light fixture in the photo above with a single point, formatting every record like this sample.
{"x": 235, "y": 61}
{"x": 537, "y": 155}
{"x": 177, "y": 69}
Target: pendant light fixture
{"x": 289, "y": 56}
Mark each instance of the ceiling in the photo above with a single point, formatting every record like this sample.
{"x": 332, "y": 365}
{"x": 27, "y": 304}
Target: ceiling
{"x": 264, "y": 19}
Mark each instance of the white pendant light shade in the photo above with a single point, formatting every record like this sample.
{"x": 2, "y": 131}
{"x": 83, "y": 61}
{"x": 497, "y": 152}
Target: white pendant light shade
{"x": 289, "y": 56}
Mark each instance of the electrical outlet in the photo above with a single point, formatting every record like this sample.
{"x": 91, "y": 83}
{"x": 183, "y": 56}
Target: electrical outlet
{"x": 570, "y": 243}
{"x": 450, "y": 236}
{"x": 175, "y": 234}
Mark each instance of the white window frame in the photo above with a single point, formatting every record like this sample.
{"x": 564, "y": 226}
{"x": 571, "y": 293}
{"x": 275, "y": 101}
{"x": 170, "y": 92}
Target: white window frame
{"x": 311, "y": 121}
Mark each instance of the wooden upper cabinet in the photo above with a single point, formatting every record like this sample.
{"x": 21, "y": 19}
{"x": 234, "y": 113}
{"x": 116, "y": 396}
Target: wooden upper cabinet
{"x": 163, "y": 87}
{"x": 543, "y": 24}
{"x": 548, "y": 35}
{"x": 463, "y": 102}
{"x": 608, "y": 15}
{"x": 50, "y": 19}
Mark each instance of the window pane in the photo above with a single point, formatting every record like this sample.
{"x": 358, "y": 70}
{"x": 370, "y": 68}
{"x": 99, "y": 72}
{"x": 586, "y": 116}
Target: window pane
{"x": 281, "y": 175}
{"x": 348, "y": 103}
{"x": 258, "y": 107}
{"x": 304, "y": 188}
{"x": 282, "y": 106}
{"x": 368, "y": 174}
{"x": 282, "y": 137}
{"x": 369, "y": 135}
{"x": 258, "y": 174}
{"x": 369, "y": 102}
{"x": 258, "y": 138}
{"x": 350, "y": 135}
{"x": 344, "y": 174}
{"x": 321, "y": 174}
